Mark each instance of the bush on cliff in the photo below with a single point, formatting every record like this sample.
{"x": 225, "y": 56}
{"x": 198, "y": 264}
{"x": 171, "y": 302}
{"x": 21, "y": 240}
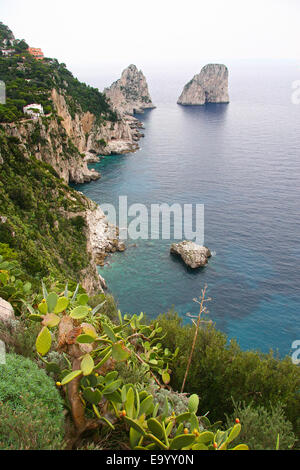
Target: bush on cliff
{"x": 221, "y": 370}
{"x": 260, "y": 427}
{"x": 36, "y": 225}
{"x": 30, "y": 81}
{"x": 31, "y": 409}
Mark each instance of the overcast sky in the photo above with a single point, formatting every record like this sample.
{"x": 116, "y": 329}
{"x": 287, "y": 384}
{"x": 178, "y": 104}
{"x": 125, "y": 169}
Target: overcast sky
{"x": 96, "y": 33}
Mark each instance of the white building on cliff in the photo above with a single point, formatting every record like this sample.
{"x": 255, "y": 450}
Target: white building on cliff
{"x": 34, "y": 110}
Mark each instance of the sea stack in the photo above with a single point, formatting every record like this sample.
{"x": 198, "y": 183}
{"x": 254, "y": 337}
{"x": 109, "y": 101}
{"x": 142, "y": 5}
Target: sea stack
{"x": 193, "y": 255}
{"x": 209, "y": 86}
{"x": 130, "y": 94}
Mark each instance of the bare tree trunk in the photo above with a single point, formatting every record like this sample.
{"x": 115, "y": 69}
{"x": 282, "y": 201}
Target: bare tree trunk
{"x": 77, "y": 407}
{"x": 201, "y": 310}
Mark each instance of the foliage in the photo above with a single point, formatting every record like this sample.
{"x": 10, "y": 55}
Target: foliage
{"x": 36, "y": 205}
{"x": 261, "y": 427}
{"x": 109, "y": 308}
{"x": 18, "y": 431}
{"x": 177, "y": 401}
{"x": 5, "y": 33}
{"x": 30, "y": 395}
{"x": 102, "y": 142}
{"x": 168, "y": 431}
{"x": 13, "y": 286}
{"x": 19, "y": 337}
{"x": 92, "y": 345}
{"x": 221, "y": 370}
{"x": 31, "y": 81}
{"x": 135, "y": 373}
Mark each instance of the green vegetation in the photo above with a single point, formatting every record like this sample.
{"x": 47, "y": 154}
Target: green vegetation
{"x": 31, "y": 81}
{"x": 169, "y": 431}
{"x": 114, "y": 374}
{"x": 37, "y": 225}
{"x": 221, "y": 371}
{"x": 31, "y": 410}
{"x": 19, "y": 337}
{"x": 119, "y": 378}
{"x": 261, "y": 426}
{"x": 5, "y": 34}
{"x": 92, "y": 346}
{"x": 12, "y": 286}
{"x": 80, "y": 347}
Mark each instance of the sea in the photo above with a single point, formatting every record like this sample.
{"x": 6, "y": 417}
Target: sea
{"x": 242, "y": 162}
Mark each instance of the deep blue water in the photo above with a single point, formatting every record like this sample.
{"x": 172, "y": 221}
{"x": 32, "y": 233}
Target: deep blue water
{"x": 242, "y": 162}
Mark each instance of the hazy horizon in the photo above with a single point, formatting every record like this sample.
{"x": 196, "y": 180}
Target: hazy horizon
{"x": 93, "y": 37}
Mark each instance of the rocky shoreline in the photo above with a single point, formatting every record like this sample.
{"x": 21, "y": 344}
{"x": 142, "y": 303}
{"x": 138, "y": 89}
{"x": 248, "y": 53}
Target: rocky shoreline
{"x": 127, "y": 96}
{"x": 102, "y": 239}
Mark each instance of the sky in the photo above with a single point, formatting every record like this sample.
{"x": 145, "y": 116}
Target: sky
{"x": 94, "y": 34}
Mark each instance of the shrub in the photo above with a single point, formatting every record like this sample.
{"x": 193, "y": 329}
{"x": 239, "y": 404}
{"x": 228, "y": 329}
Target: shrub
{"x": 22, "y": 197}
{"x": 32, "y": 198}
{"x": 92, "y": 346}
{"x": 109, "y": 308}
{"x": 134, "y": 373}
{"x": 102, "y": 142}
{"x": 19, "y": 337}
{"x": 18, "y": 431}
{"x": 78, "y": 222}
{"x": 221, "y": 370}
{"x": 28, "y": 393}
{"x": 177, "y": 401}
{"x": 260, "y": 427}
{"x": 13, "y": 286}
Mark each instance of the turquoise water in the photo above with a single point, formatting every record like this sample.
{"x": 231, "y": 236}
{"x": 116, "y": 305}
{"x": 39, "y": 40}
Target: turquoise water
{"x": 242, "y": 162}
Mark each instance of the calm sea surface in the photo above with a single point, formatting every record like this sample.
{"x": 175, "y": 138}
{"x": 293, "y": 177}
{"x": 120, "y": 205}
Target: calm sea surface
{"x": 242, "y": 162}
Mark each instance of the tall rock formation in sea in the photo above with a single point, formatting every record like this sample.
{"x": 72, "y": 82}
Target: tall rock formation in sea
{"x": 130, "y": 94}
{"x": 209, "y": 86}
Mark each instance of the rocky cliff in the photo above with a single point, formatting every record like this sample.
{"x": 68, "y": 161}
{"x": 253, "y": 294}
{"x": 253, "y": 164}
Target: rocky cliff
{"x": 209, "y": 86}
{"x": 6, "y": 36}
{"x": 102, "y": 238}
{"x": 53, "y": 228}
{"x": 67, "y": 142}
{"x": 130, "y": 94}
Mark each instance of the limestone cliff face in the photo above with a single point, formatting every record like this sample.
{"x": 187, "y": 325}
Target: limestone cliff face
{"x": 102, "y": 239}
{"x": 96, "y": 136}
{"x": 48, "y": 142}
{"x": 130, "y": 93}
{"x": 209, "y": 86}
{"x": 66, "y": 142}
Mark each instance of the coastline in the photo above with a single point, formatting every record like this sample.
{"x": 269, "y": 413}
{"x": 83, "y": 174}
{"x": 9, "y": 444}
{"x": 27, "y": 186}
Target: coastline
{"x": 102, "y": 236}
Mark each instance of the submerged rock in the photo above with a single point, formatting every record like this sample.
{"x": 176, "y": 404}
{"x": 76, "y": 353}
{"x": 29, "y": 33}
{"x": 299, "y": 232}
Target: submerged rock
{"x": 130, "y": 93}
{"x": 192, "y": 254}
{"x": 209, "y": 86}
